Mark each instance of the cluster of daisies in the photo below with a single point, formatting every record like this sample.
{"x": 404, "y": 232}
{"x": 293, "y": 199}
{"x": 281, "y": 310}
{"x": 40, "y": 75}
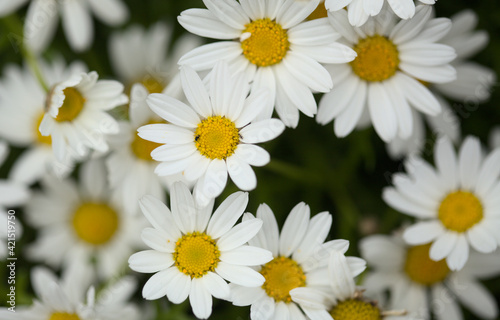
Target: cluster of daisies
{"x": 94, "y": 160}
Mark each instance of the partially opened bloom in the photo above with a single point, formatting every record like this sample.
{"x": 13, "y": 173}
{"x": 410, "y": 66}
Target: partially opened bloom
{"x": 82, "y": 223}
{"x": 273, "y": 46}
{"x": 423, "y": 286}
{"x": 213, "y": 136}
{"x": 359, "y": 11}
{"x": 384, "y": 79}
{"x": 457, "y": 203}
{"x": 194, "y": 252}
{"x": 76, "y": 117}
{"x": 41, "y": 21}
{"x": 300, "y": 262}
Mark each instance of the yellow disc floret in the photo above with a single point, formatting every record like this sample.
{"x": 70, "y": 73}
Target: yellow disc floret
{"x": 319, "y": 12}
{"x": 72, "y": 105}
{"x": 421, "y": 269}
{"x": 39, "y": 137}
{"x": 153, "y": 84}
{"x": 64, "y": 316}
{"x": 377, "y": 60}
{"x": 142, "y": 148}
{"x": 216, "y": 137}
{"x": 355, "y": 309}
{"x": 196, "y": 254}
{"x": 264, "y": 42}
{"x": 282, "y": 275}
{"x": 460, "y": 210}
{"x": 95, "y": 223}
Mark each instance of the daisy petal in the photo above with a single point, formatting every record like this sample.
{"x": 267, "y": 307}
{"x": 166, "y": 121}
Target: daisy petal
{"x": 204, "y": 23}
{"x": 205, "y": 57}
{"x": 458, "y": 257}
{"x": 216, "y": 286}
{"x": 200, "y": 299}
{"x": 239, "y": 234}
{"x": 241, "y": 275}
{"x": 195, "y": 91}
{"x": 150, "y": 261}
{"x": 226, "y": 215}
{"x": 469, "y": 162}
{"x": 241, "y": 173}
{"x": 382, "y": 112}
{"x": 246, "y": 256}
{"x": 423, "y": 232}
{"x": 229, "y": 12}
{"x": 262, "y": 131}
{"x": 443, "y": 245}
{"x": 173, "y": 110}
{"x": 481, "y": 240}
{"x": 294, "y": 229}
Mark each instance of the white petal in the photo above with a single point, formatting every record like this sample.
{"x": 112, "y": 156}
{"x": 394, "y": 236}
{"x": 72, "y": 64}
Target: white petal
{"x": 241, "y": 173}
{"x": 173, "y": 110}
{"x": 469, "y": 162}
{"x": 382, "y": 112}
{"x": 240, "y": 234}
{"x": 262, "y": 131}
{"x": 77, "y": 24}
{"x": 112, "y": 12}
{"x": 446, "y": 162}
{"x": 200, "y": 299}
{"x": 253, "y": 155}
{"x": 308, "y": 71}
{"x": 226, "y": 215}
{"x": 476, "y": 298}
{"x": 399, "y": 202}
{"x": 216, "y": 286}
{"x": 458, "y": 257}
{"x": 40, "y": 25}
{"x": 443, "y": 245}
{"x": 480, "y": 239}
{"x": 183, "y": 207}
{"x": 317, "y": 231}
{"x": 157, "y": 286}
{"x": 423, "y": 232}
{"x": 195, "y": 91}
{"x": 205, "y": 57}
{"x": 295, "y": 13}
{"x": 158, "y": 240}
{"x": 490, "y": 170}
{"x": 294, "y": 229}
{"x": 229, "y": 12}
{"x": 241, "y": 275}
{"x": 405, "y": 9}
{"x": 165, "y": 133}
{"x": 150, "y": 261}
{"x": 174, "y": 152}
{"x": 204, "y": 23}
{"x": 246, "y": 256}
{"x": 270, "y": 231}
{"x": 417, "y": 94}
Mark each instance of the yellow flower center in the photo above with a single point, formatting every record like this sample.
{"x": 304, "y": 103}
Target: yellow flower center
{"x": 153, "y": 84}
{"x": 142, "y": 148}
{"x": 95, "y": 223}
{"x": 216, "y": 137}
{"x": 265, "y": 42}
{"x": 354, "y": 309}
{"x": 64, "y": 316}
{"x": 460, "y": 210}
{"x": 282, "y": 275}
{"x": 421, "y": 269}
{"x": 39, "y": 137}
{"x": 377, "y": 60}
{"x": 72, "y": 105}
{"x": 319, "y": 12}
{"x": 195, "y": 254}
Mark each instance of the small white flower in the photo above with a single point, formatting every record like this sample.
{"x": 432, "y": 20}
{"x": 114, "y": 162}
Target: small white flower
{"x": 215, "y": 135}
{"x": 42, "y": 17}
{"x": 75, "y": 115}
{"x": 273, "y": 46}
{"x": 194, "y": 252}
{"x": 86, "y": 223}
{"x": 300, "y": 261}
{"x": 458, "y": 202}
{"x": 359, "y": 10}
{"x": 413, "y": 280}
{"x": 384, "y": 78}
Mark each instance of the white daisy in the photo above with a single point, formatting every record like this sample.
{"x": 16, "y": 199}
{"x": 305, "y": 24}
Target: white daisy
{"x": 472, "y": 86}
{"x": 215, "y": 135}
{"x": 359, "y": 10}
{"x": 383, "y": 79}
{"x": 75, "y": 115}
{"x": 12, "y": 193}
{"x": 86, "y": 224}
{"x": 458, "y": 202}
{"x": 194, "y": 253}
{"x": 42, "y": 17}
{"x": 423, "y": 286}
{"x": 273, "y": 46}
{"x": 139, "y": 58}
{"x": 300, "y": 261}
{"x": 22, "y": 106}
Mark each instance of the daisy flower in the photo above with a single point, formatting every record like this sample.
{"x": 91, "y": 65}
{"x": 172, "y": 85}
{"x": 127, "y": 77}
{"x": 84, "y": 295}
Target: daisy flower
{"x": 472, "y": 86}
{"x": 215, "y": 135}
{"x": 414, "y": 280}
{"x": 384, "y": 78}
{"x": 359, "y": 11}
{"x": 273, "y": 46}
{"x": 12, "y": 193}
{"x": 21, "y": 117}
{"x": 194, "y": 253}
{"x": 458, "y": 202}
{"x": 75, "y": 115}
{"x": 86, "y": 224}
{"x": 42, "y": 17}
{"x": 300, "y": 261}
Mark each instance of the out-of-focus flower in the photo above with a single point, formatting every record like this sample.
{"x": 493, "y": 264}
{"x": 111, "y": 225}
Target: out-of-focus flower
{"x": 194, "y": 252}
{"x": 457, "y": 203}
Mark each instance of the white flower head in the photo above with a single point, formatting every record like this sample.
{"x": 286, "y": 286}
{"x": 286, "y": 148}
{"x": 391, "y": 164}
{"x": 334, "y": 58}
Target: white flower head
{"x": 273, "y": 46}
{"x": 359, "y": 11}
{"x": 422, "y": 286}
{"x": 213, "y": 136}
{"x": 457, "y": 203}
{"x": 75, "y": 115}
{"x": 194, "y": 252}
{"x": 384, "y": 79}
{"x": 298, "y": 270}
{"x": 86, "y": 225}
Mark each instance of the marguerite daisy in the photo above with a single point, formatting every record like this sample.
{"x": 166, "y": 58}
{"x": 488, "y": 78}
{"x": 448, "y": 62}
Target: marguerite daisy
{"x": 75, "y": 114}
{"x": 384, "y": 77}
{"x": 82, "y": 224}
{"x": 300, "y": 261}
{"x": 215, "y": 135}
{"x": 423, "y": 286}
{"x": 359, "y": 11}
{"x": 194, "y": 253}
{"x": 42, "y": 17}
{"x": 22, "y": 114}
{"x": 273, "y": 46}
{"x": 458, "y": 202}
